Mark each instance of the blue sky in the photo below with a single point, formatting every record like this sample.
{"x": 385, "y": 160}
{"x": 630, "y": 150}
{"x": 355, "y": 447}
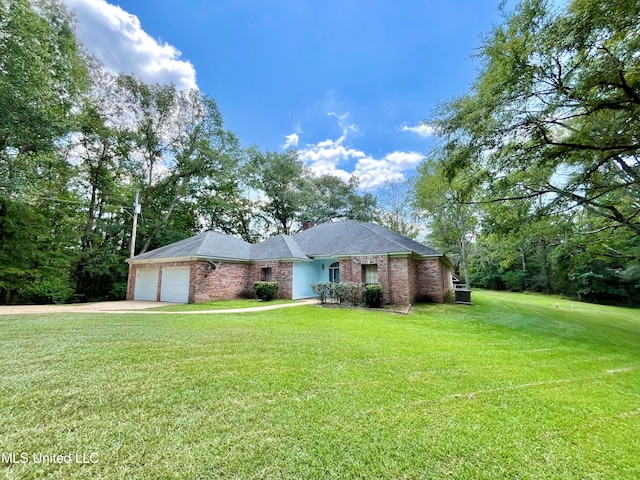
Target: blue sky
{"x": 345, "y": 82}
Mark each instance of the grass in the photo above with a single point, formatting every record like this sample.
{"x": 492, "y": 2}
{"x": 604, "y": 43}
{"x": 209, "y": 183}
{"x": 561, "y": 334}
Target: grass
{"x": 509, "y": 388}
{"x": 220, "y": 305}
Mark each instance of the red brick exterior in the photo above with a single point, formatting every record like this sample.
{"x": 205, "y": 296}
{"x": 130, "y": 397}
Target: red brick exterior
{"x": 433, "y": 280}
{"x": 226, "y": 281}
{"x": 405, "y": 280}
{"x": 281, "y": 272}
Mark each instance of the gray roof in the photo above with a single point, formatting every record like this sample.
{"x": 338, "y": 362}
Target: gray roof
{"x": 278, "y": 247}
{"x": 325, "y": 240}
{"x": 354, "y": 238}
{"x": 208, "y": 245}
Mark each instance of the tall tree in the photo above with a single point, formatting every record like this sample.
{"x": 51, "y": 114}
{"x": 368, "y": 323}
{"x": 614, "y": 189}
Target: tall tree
{"x": 452, "y": 219}
{"x": 396, "y": 208}
{"x": 331, "y": 199}
{"x": 280, "y": 178}
{"x": 559, "y": 94}
{"x": 181, "y": 151}
{"x": 42, "y": 73}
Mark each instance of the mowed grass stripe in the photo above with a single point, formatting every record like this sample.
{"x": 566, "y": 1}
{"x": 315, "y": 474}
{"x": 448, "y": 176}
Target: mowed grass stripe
{"x": 511, "y": 387}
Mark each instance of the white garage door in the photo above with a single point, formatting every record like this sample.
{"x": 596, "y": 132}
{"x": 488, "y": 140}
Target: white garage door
{"x": 175, "y": 284}
{"x": 146, "y": 284}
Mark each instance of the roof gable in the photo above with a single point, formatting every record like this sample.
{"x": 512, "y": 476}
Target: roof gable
{"x": 207, "y": 244}
{"x": 354, "y": 238}
{"x": 278, "y": 247}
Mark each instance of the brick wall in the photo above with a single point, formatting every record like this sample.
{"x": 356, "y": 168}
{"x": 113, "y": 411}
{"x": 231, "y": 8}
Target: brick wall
{"x": 281, "y": 272}
{"x": 401, "y": 282}
{"x": 403, "y": 279}
{"x": 351, "y": 271}
{"x": 131, "y": 283}
{"x": 226, "y": 282}
{"x": 433, "y": 280}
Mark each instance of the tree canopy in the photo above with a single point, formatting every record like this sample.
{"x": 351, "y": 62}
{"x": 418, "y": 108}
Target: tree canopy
{"x": 78, "y": 143}
{"x": 545, "y": 146}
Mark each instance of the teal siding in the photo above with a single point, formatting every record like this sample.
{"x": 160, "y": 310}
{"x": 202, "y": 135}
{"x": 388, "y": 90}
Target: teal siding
{"x": 306, "y": 273}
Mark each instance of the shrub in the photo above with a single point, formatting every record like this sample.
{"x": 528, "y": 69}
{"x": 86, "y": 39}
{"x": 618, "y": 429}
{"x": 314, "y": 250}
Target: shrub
{"x": 348, "y": 292}
{"x": 342, "y": 292}
{"x": 322, "y": 291}
{"x": 266, "y": 291}
{"x": 373, "y": 296}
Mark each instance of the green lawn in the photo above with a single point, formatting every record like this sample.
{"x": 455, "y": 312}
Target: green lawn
{"x": 220, "y": 305}
{"x": 509, "y": 388}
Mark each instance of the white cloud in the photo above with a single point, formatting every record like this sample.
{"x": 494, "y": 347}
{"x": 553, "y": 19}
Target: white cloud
{"x": 374, "y": 173}
{"x": 118, "y": 40}
{"x": 292, "y": 140}
{"x": 331, "y": 157}
{"x": 423, "y": 129}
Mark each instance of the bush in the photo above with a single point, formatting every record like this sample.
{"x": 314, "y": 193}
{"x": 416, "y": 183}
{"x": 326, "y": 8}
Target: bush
{"x": 373, "y": 296}
{"x": 343, "y": 292}
{"x": 322, "y": 291}
{"x": 348, "y": 292}
{"x": 266, "y": 291}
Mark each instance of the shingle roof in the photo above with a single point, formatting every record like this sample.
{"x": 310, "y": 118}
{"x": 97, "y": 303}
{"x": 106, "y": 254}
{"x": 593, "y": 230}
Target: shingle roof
{"x": 354, "y": 238}
{"x": 326, "y": 240}
{"x": 278, "y": 247}
{"x": 207, "y": 244}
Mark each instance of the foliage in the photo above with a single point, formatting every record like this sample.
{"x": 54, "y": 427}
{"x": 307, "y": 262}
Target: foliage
{"x": 544, "y": 149}
{"x": 323, "y": 291}
{"x": 373, "y": 295}
{"x": 397, "y": 210}
{"x": 559, "y": 92}
{"x": 266, "y": 291}
{"x": 451, "y": 219}
{"x": 279, "y": 176}
{"x": 329, "y": 199}
{"x": 42, "y": 75}
{"x": 292, "y": 194}
{"x": 340, "y": 292}
{"x": 349, "y": 292}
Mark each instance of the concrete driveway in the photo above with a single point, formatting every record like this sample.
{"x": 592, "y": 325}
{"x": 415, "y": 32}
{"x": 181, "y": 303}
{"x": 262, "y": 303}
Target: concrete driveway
{"x": 96, "y": 307}
{"x": 133, "y": 307}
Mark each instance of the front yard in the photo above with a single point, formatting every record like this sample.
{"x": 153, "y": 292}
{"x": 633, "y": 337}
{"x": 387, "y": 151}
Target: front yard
{"x": 509, "y": 388}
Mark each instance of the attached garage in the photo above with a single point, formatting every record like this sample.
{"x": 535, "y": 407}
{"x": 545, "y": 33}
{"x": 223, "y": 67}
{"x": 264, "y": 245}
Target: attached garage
{"x": 146, "y": 284}
{"x": 175, "y": 284}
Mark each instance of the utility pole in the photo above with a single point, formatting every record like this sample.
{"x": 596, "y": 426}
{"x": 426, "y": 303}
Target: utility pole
{"x": 136, "y": 212}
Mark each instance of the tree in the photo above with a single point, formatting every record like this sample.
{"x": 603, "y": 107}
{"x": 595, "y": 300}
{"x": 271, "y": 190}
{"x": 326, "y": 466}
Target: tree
{"x": 452, "y": 217}
{"x": 289, "y": 193}
{"x": 280, "y": 178}
{"x": 559, "y": 93}
{"x": 42, "y": 74}
{"x": 103, "y": 177}
{"x": 329, "y": 199}
{"x": 397, "y": 212}
{"x": 181, "y": 152}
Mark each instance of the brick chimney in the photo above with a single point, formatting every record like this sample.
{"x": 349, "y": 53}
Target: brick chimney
{"x": 307, "y": 225}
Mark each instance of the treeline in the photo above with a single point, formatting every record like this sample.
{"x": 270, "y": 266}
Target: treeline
{"x": 77, "y": 144}
{"x": 536, "y": 181}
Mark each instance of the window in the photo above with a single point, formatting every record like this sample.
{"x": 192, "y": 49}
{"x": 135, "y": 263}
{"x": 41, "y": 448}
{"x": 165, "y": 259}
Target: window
{"x": 334, "y": 272}
{"x": 266, "y": 274}
{"x": 370, "y": 273}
